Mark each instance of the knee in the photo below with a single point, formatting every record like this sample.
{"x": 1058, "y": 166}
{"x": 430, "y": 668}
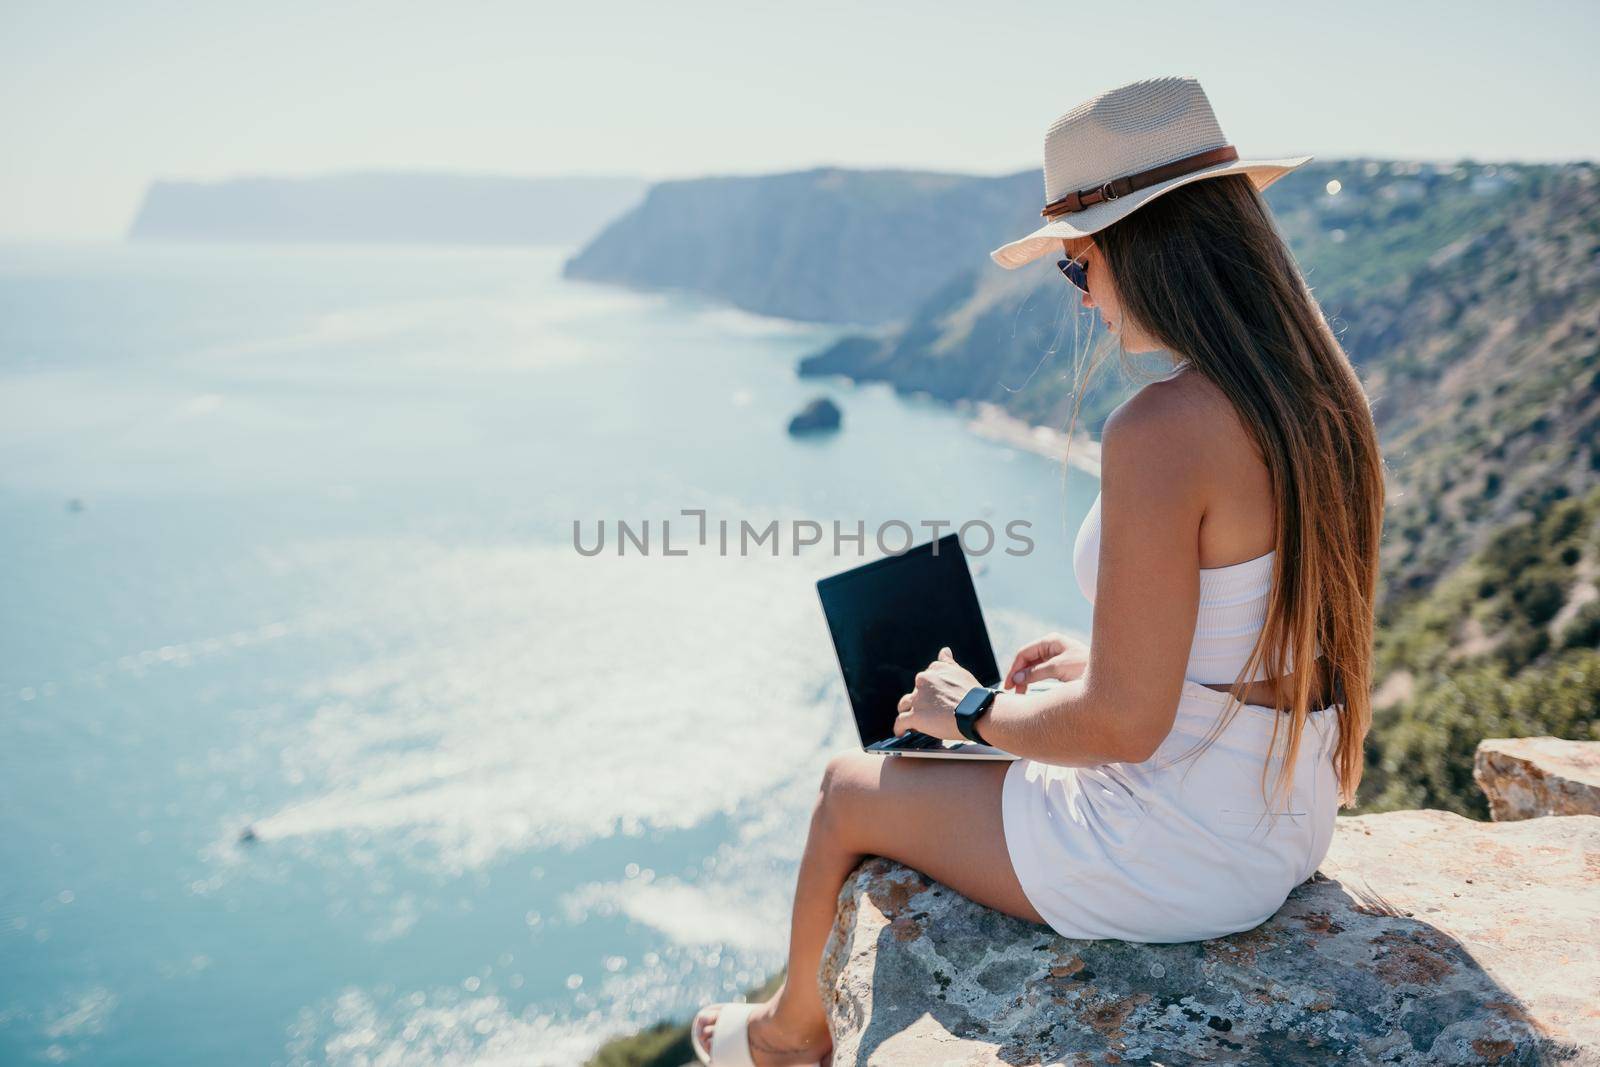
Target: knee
{"x": 842, "y": 782}
{"x": 834, "y": 777}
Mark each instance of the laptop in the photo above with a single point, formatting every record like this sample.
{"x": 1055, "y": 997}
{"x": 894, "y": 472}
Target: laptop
{"x": 889, "y": 618}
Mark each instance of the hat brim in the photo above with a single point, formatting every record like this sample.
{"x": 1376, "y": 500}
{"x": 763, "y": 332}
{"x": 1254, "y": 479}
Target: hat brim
{"x": 1048, "y": 237}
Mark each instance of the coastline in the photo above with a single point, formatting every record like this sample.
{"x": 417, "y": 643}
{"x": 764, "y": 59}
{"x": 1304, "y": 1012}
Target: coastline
{"x": 996, "y": 424}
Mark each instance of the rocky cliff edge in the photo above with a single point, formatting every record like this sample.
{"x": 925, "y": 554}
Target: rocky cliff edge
{"x": 1424, "y": 938}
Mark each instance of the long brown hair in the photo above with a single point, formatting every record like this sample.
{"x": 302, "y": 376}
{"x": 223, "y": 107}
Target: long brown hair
{"x": 1204, "y": 272}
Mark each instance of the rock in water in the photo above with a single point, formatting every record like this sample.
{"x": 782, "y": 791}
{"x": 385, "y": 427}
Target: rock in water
{"x": 819, "y": 416}
{"x": 1526, "y": 777}
{"x": 1425, "y": 938}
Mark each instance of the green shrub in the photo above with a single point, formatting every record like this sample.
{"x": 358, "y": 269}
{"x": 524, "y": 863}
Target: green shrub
{"x": 1425, "y": 750}
{"x": 1539, "y": 596}
{"x": 665, "y": 1044}
{"x": 662, "y": 1045}
{"x": 1584, "y": 629}
{"x": 1421, "y": 751}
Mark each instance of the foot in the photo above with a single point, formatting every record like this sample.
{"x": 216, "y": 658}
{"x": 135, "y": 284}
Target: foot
{"x": 774, "y": 1042}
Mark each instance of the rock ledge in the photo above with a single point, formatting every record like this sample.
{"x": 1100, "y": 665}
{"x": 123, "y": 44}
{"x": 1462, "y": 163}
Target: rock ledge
{"x": 1527, "y": 777}
{"x": 1425, "y": 938}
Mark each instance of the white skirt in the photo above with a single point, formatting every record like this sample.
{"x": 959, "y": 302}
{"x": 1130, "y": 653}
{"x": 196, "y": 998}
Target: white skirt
{"x": 1181, "y": 847}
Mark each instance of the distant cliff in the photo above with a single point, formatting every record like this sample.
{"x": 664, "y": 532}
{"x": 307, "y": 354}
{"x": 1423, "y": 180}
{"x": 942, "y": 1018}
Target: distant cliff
{"x": 382, "y": 207}
{"x": 825, "y": 245}
{"x": 1392, "y": 256}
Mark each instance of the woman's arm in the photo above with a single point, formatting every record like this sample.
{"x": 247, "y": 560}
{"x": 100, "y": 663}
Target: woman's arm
{"x": 1147, "y": 593}
{"x": 1058, "y": 725}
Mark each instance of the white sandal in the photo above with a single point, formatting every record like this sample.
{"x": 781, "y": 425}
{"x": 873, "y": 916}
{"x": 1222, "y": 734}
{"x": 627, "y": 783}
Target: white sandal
{"x": 730, "y": 1044}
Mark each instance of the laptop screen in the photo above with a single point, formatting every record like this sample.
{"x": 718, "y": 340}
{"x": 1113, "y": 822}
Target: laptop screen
{"x": 890, "y": 617}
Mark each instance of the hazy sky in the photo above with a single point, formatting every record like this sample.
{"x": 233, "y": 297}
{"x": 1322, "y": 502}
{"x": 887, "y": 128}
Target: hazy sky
{"x": 98, "y": 99}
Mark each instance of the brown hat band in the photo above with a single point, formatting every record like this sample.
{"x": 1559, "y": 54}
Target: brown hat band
{"x": 1119, "y": 187}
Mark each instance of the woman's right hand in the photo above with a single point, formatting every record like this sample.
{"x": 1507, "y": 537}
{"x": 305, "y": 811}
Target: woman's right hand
{"x": 1052, "y": 656}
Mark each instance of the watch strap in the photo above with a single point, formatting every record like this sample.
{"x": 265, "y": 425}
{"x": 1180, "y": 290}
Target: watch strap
{"x": 972, "y": 707}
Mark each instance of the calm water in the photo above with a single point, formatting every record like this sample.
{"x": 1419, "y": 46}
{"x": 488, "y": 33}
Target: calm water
{"x": 287, "y": 543}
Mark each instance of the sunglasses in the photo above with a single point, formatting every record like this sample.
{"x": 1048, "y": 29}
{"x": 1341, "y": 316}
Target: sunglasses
{"x": 1077, "y": 273}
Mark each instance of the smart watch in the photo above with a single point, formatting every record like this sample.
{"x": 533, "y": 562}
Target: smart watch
{"x": 972, "y": 707}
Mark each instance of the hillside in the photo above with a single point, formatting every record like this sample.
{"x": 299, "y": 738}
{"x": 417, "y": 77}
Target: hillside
{"x": 384, "y": 207}
{"x": 1484, "y": 362}
{"x": 826, "y": 245}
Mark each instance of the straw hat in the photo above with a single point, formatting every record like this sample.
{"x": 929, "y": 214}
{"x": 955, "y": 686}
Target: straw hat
{"x": 1118, "y": 151}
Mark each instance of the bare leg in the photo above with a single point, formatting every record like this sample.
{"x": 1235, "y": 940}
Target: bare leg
{"x": 941, "y": 817}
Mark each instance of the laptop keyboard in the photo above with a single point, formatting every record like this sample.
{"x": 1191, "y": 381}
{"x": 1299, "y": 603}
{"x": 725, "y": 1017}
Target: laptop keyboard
{"x": 910, "y": 740}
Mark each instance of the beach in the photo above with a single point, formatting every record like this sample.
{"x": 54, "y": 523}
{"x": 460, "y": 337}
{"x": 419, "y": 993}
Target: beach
{"x": 994, "y": 423}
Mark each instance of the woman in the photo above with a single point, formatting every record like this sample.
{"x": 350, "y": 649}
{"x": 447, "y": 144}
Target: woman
{"x": 1231, "y": 559}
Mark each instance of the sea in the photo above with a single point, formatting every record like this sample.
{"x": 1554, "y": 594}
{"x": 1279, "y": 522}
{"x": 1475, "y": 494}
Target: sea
{"x": 325, "y": 734}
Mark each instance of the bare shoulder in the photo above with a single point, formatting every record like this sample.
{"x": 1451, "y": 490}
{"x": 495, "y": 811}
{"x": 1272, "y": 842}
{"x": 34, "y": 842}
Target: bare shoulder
{"x": 1168, "y": 431}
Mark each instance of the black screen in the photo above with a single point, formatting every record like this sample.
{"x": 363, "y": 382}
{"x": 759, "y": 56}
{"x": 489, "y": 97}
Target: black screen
{"x": 890, "y": 617}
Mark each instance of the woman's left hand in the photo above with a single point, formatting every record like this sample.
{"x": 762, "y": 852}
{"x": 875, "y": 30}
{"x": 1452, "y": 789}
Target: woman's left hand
{"x": 930, "y": 708}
